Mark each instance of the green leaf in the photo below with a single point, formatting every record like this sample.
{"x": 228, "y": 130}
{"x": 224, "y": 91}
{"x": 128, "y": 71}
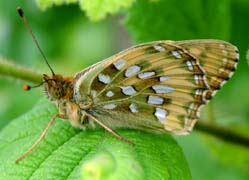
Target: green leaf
{"x": 95, "y": 9}
{"x": 69, "y": 153}
{"x": 98, "y": 9}
{"x": 247, "y": 56}
{"x": 44, "y": 4}
{"x": 179, "y": 19}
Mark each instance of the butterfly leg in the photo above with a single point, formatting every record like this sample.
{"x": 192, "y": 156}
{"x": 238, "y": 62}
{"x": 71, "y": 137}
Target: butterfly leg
{"x": 108, "y": 129}
{"x": 42, "y": 136}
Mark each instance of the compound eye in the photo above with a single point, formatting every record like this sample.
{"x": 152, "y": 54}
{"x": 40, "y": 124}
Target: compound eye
{"x": 57, "y": 92}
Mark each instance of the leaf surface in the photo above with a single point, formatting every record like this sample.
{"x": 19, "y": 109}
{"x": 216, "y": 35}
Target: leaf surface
{"x": 69, "y": 153}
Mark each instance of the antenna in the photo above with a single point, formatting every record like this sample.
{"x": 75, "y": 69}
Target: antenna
{"x": 27, "y": 87}
{"x": 21, "y": 14}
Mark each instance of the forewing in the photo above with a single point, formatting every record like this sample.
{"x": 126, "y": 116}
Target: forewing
{"x": 157, "y": 86}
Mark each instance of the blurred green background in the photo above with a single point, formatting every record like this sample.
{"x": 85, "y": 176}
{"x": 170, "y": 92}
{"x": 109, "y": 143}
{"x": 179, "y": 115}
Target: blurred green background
{"x": 71, "y": 42}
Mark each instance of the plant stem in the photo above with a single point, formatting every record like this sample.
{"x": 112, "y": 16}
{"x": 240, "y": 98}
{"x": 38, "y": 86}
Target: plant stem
{"x": 10, "y": 69}
{"x": 223, "y": 133}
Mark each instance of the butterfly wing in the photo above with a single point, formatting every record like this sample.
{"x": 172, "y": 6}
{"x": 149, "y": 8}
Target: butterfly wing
{"x": 218, "y": 58}
{"x": 158, "y": 86}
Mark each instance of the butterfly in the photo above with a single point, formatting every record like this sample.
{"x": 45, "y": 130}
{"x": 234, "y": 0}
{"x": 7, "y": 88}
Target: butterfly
{"x": 158, "y": 87}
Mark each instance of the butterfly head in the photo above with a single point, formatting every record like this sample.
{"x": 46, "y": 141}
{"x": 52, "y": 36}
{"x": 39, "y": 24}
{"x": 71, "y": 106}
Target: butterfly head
{"x": 57, "y": 87}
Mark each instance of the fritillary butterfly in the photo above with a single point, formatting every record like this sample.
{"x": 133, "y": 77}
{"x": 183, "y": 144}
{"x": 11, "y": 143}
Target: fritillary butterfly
{"x": 157, "y": 86}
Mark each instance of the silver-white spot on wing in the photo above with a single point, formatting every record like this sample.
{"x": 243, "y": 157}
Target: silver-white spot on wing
{"x": 163, "y": 78}
{"x": 110, "y": 94}
{"x": 221, "y": 70}
{"x": 110, "y": 106}
{"x": 197, "y": 79}
{"x": 155, "y": 100}
{"x": 161, "y": 88}
{"x": 132, "y": 70}
{"x": 146, "y": 75}
{"x": 176, "y": 54}
{"x": 159, "y": 48}
{"x": 190, "y": 66}
{"x": 128, "y": 90}
{"x": 222, "y": 46}
{"x": 198, "y": 92}
{"x": 224, "y": 52}
{"x": 104, "y": 78}
{"x": 133, "y": 108}
{"x": 224, "y": 60}
{"x": 191, "y": 107}
{"x": 161, "y": 114}
{"x": 119, "y": 64}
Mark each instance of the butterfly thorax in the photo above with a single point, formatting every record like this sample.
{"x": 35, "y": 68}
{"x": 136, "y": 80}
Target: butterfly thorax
{"x": 59, "y": 89}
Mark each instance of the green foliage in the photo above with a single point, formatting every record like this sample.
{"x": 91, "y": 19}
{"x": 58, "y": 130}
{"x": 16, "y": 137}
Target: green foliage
{"x": 98, "y": 9}
{"x": 95, "y": 9}
{"x": 44, "y": 4}
{"x": 69, "y": 153}
{"x": 73, "y": 43}
{"x": 247, "y": 56}
{"x": 178, "y": 20}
